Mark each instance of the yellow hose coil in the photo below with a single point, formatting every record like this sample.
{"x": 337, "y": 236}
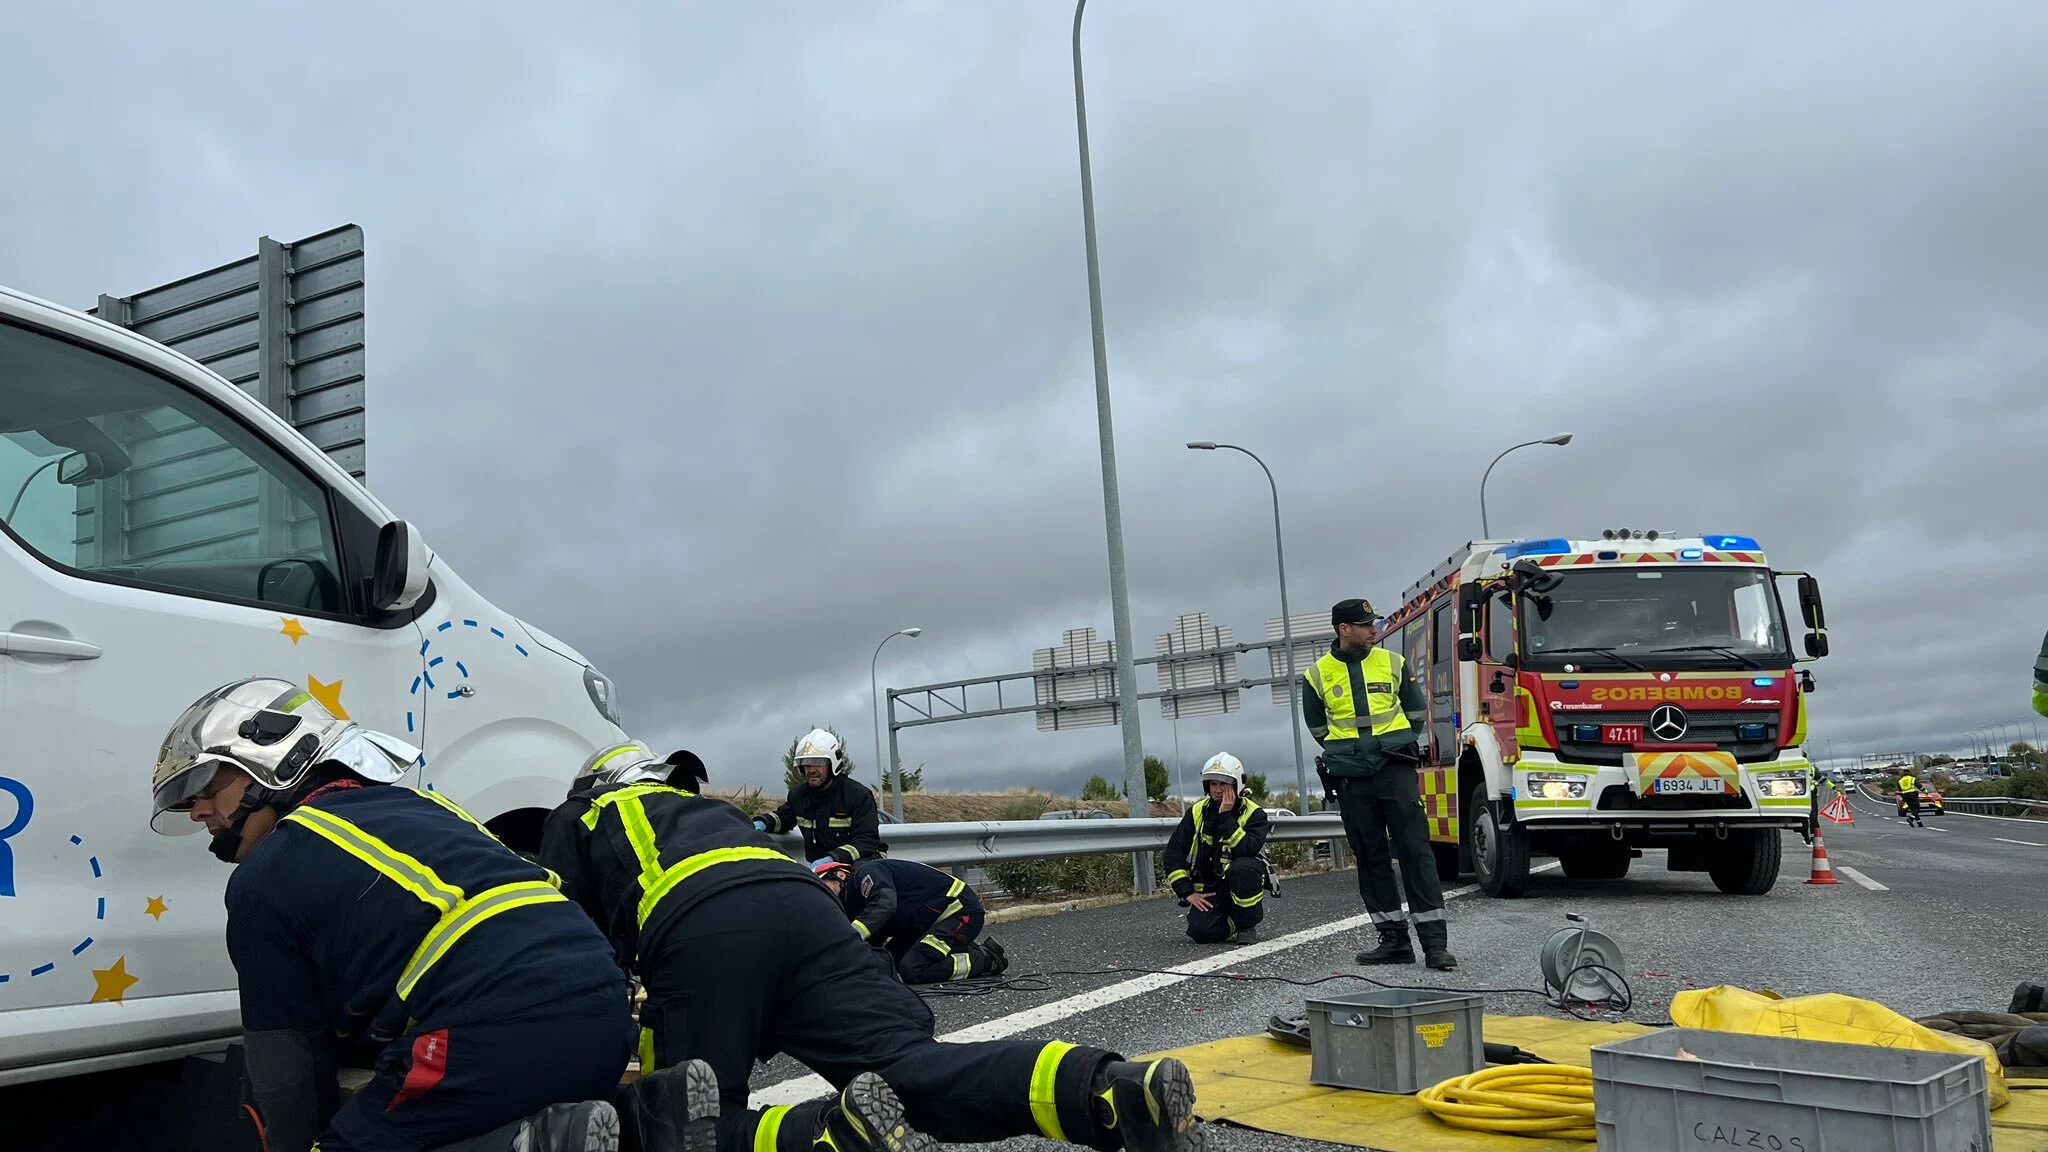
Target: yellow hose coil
{"x": 1554, "y": 1101}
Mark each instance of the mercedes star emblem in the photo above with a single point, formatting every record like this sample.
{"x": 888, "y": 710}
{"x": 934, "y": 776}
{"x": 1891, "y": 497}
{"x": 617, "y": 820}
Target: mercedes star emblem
{"x": 1667, "y": 722}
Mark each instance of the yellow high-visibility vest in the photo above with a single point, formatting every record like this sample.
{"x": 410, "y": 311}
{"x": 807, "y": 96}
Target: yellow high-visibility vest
{"x": 1330, "y": 679}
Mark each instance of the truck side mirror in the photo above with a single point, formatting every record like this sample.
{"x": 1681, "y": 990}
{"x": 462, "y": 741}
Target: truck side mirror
{"x": 1809, "y": 604}
{"x": 400, "y": 576}
{"x": 1816, "y": 644}
{"x": 1471, "y": 602}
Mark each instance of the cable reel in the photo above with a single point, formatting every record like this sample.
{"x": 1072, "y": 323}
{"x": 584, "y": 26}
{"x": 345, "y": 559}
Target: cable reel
{"x": 1582, "y": 966}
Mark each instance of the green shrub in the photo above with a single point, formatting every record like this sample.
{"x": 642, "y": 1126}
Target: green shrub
{"x": 1098, "y": 789}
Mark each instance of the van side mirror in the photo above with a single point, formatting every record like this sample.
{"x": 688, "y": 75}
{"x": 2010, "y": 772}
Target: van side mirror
{"x": 400, "y": 576}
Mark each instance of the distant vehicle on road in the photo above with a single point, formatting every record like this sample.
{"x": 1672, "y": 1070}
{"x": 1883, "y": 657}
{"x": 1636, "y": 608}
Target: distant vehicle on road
{"x": 1930, "y": 802}
{"x": 1593, "y": 698}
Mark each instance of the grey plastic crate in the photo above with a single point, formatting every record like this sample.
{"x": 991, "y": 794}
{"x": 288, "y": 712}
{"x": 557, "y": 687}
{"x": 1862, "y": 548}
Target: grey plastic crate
{"x": 1394, "y": 1040}
{"x": 1781, "y": 1095}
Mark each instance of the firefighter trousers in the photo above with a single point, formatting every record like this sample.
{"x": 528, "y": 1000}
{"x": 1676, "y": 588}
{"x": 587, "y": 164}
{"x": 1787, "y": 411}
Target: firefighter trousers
{"x": 948, "y": 949}
{"x": 1387, "y": 806}
{"x": 774, "y": 967}
{"x": 1236, "y": 904}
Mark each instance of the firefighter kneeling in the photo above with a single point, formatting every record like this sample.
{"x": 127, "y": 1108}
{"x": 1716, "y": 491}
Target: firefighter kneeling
{"x": 1215, "y": 860}
{"x": 926, "y": 920}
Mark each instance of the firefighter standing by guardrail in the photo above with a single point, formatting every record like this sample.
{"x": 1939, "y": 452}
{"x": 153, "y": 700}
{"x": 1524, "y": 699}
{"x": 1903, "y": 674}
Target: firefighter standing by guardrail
{"x": 835, "y": 813}
{"x": 1215, "y": 860}
{"x": 1362, "y": 708}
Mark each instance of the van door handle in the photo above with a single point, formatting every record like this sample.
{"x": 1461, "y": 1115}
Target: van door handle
{"x": 23, "y": 644}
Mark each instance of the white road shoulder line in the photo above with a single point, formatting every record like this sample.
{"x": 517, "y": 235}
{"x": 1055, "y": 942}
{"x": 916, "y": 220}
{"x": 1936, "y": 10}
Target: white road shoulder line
{"x": 2027, "y": 843}
{"x": 1860, "y": 878}
{"x": 798, "y": 1089}
{"x": 1983, "y": 816}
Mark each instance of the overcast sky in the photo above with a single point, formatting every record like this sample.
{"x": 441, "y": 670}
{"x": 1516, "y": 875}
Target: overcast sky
{"x": 818, "y": 268}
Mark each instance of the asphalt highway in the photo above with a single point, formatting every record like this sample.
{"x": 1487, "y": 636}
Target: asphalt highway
{"x": 1923, "y": 920}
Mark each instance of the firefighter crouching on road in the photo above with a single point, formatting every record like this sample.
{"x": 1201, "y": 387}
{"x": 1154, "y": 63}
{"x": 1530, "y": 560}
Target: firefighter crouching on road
{"x": 1214, "y": 860}
{"x": 2041, "y": 679}
{"x": 1363, "y": 709}
{"x": 362, "y": 910}
{"x": 926, "y": 920}
{"x": 835, "y": 812}
{"x": 745, "y": 954}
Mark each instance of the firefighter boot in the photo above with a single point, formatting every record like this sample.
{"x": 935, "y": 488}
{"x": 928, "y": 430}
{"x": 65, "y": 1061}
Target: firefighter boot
{"x": 1393, "y": 947}
{"x": 998, "y": 960}
{"x": 865, "y": 1117}
{"x": 587, "y": 1126}
{"x": 1150, "y": 1105}
{"x": 674, "y": 1109}
{"x": 1436, "y": 950}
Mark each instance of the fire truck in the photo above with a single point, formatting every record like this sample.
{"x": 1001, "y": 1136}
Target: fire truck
{"x": 1589, "y": 699}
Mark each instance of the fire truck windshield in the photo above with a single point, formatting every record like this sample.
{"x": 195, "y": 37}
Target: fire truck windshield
{"x": 1655, "y": 617}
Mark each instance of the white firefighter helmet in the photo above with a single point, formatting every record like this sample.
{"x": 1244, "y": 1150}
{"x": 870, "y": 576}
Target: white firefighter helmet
{"x": 1225, "y": 768}
{"x": 631, "y": 762}
{"x": 272, "y": 729}
{"x": 818, "y": 744}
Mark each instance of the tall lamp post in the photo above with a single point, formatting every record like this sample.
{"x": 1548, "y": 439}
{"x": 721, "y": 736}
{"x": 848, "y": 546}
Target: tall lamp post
{"x": 1119, "y": 597}
{"x": 1485, "y": 532}
{"x": 874, "y": 714}
{"x": 1286, "y": 620}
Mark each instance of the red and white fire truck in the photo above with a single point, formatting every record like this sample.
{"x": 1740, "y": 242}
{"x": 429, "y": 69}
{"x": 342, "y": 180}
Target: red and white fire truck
{"x": 1593, "y": 698}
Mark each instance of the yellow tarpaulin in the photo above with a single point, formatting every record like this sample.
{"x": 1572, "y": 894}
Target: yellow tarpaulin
{"x": 1259, "y": 1082}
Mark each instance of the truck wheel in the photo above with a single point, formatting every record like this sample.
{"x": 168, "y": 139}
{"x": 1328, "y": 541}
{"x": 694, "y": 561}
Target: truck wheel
{"x": 1500, "y": 853}
{"x": 1601, "y": 862}
{"x": 1746, "y": 864}
{"x": 1447, "y": 869}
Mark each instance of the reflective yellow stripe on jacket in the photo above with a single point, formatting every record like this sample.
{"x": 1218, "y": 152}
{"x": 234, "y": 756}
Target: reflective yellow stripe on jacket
{"x": 1198, "y": 811}
{"x": 656, "y": 881}
{"x": 460, "y": 911}
{"x": 1330, "y": 679}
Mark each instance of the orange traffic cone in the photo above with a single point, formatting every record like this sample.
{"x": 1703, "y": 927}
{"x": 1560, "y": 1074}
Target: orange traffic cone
{"x": 1823, "y": 872}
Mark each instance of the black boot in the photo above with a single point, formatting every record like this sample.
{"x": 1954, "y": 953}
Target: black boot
{"x": 1436, "y": 950}
{"x": 1150, "y": 1105}
{"x": 998, "y": 960}
{"x": 589, "y": 1126}
{"x": 672, "y": 1110}
{"x": 867, "y": 1117}
{"x": 1393, "y": 947}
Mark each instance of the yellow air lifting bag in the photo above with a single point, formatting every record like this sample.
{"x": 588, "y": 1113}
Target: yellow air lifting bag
{"x": 1829, "y": 1016}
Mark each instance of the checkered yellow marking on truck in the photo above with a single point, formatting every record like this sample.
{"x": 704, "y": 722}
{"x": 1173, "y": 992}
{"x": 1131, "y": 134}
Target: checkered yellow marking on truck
{"x": 1440, "y": 802}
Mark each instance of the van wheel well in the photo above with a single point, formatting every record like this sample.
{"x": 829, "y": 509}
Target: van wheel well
{"x": 519, "y": 829}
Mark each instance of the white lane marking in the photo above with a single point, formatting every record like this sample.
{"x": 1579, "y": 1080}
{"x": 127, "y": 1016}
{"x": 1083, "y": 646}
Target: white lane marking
{"x": 1932, "y": 828}
{"x": 2028, "y": 843}
{"x": 1860, "y": 878}
{"x": 1982, "y": 816}
{"x": 798, "y": 1089}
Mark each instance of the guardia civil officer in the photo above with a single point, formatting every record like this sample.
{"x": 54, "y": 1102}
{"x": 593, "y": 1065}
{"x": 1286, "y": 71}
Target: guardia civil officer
{"x": 1909, "y": 798}
{"x": 744, "y": 954}
{"x": 928, "y": 921}
{"x": 1364, "y": 710}
{"x": 835, "y": 813}
{"x": 361, "y": 909}
{"x": 2041, "y": 679}
{"x": 1214, "y": 859}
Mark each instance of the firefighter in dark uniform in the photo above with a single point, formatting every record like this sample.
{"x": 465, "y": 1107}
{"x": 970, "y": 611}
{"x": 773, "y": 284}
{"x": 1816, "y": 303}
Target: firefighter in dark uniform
{"x": 1215, "y": 861}
{"x": 835, "y": 813}
{"x": 926, "y": 920}
{"x": 1365, "y": 711}
{"x": 745, "y": 954}
{"x": 362, "y": 911}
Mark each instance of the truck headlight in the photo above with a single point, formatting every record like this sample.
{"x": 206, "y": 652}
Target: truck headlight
{"x": 1557, "y": 785}
{"x": 1783, "y": 785}
{"x": 602, "y": 694}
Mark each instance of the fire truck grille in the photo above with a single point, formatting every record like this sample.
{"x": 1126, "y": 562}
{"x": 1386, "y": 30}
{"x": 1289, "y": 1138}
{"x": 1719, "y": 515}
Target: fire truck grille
{"x": 1722, "y": 728}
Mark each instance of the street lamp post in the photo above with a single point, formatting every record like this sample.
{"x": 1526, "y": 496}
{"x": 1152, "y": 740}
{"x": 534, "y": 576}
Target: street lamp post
{"x": 1485, "y": 532}
{"x": 874, "y": 713}
{"x": 1286, "y": 619}
{"x": 1119, "y": 598}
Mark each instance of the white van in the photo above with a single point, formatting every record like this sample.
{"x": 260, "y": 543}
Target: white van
{"x": 163, "y": 534}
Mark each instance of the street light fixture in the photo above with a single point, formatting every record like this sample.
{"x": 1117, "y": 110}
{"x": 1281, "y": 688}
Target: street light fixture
{"x": 882, "y": 770}
{"x": 1484, "y": 532}
{"x": 1286, "y": 619}
{"x": 1119, "y": 596}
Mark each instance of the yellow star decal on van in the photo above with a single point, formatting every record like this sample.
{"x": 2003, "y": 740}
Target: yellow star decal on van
{"x": 156, "y": 908}
{"x": 293, "y": 629}
{"x": 111, "y": 984}
{"x": 329, "y": 695}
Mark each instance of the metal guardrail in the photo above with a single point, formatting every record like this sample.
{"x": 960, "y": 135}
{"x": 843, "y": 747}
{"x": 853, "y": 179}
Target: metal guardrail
{"x": 2003, "y": 805}
{"x": 1001, "y": 841}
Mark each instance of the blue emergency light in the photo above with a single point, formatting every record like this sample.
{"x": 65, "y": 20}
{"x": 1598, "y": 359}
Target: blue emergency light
{"x": 1733, "y": 543}
{"x": 1690, "y": 553}
{"x": 1555, "y": 546}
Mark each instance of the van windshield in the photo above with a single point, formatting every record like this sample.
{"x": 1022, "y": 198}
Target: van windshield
{"x": 1656, "y": 617}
